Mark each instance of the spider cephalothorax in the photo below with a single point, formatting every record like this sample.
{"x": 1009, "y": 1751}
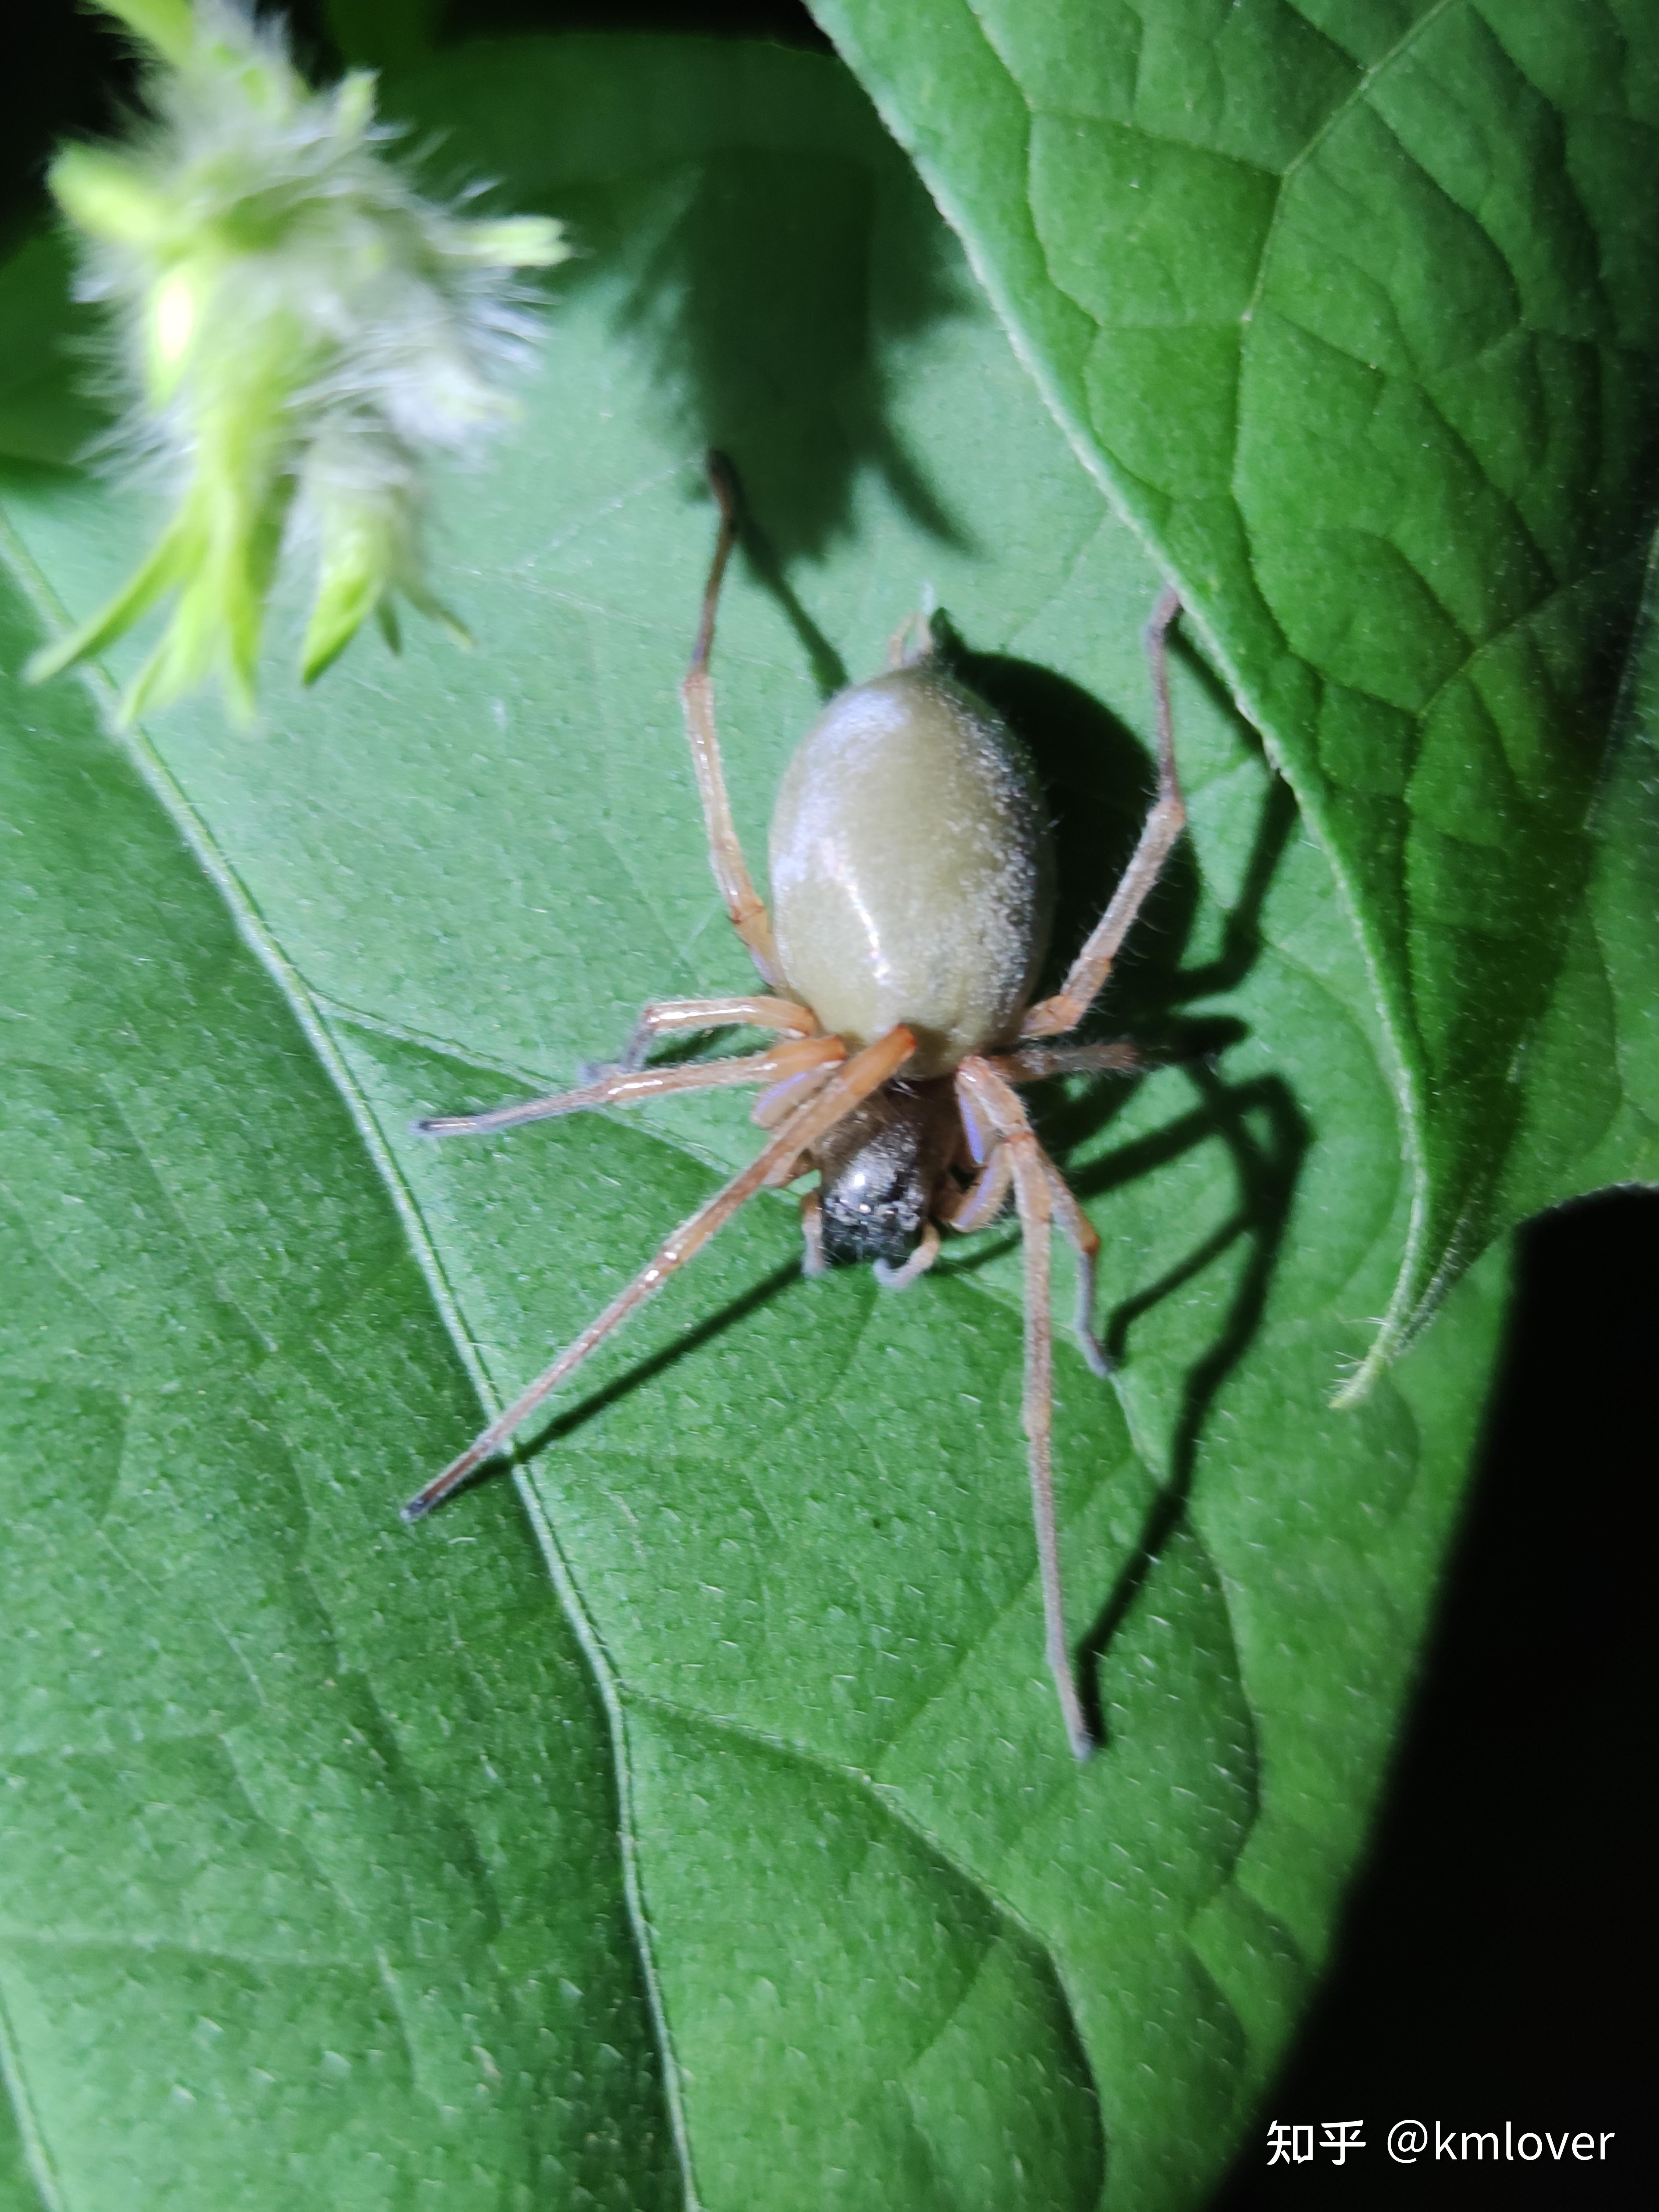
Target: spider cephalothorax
{"x": 879, "y": 1172}
{"x": 913, "y": 885}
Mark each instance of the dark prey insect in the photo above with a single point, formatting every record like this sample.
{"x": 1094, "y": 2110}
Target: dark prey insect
{"x": 912, "y": 884}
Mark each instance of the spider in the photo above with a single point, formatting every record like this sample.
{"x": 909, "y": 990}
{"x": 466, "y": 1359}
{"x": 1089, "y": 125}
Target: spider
{"x": 912, "y": 883}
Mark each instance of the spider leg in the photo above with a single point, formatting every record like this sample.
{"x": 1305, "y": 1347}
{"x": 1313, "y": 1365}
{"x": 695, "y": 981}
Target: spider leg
{"x": 996, "y": 1103}
{"x": 770, "y": 1111}
{"x": 984, "y": 1198}
{"x": 743, "y": 901}
{"x": 619, "y": 1086}
{"x": 1083, "y": 1238}
{"x": 775, "y": 1106}
{"x": 1054, "y": 1016}
{"x": 661, "y": 1015}
{"x": 1035, "y": 1063}
{"x": 866, "y": 1071}
{"x": 812, "y": 1261}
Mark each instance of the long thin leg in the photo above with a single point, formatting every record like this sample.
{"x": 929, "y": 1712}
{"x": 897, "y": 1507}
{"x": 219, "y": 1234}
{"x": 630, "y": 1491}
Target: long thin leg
{"x": 771, "y": 1110}
{"x": 743, "y": 901}
{"x": 1034, "y": 1063}
{"x": 663, "y": 1016}
{"x": 985, "y": 1197}
{"x": 620, "y": 1086}
{"x": 1054, "y": 1016}
{"x": 1084, "y": 1241}
{"x": 774, "y": 1107}
{"x": 1002, "y": 1110}
{"x": 866, "y": 1071}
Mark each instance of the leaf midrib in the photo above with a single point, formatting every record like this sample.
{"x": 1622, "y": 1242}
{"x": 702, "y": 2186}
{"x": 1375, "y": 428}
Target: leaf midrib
{"x": 262, "y": 941}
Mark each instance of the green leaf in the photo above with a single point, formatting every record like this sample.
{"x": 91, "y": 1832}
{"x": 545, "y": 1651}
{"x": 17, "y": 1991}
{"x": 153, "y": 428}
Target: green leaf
{"x": 385, "y": 33}
{"x": 1592, "y": 1107}
{"x": 309, "y": 1882}
{"x": 902, "y": 1949}
{"x": 1350, "y": 310}
{"x": 43, "y": 416}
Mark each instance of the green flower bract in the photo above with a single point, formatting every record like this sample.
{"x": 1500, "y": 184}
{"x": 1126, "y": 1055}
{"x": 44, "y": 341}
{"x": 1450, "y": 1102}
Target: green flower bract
{"x": 302, "y": 331}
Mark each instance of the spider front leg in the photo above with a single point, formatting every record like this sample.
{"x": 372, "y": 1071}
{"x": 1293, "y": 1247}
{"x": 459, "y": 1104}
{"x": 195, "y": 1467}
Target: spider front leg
{"x": 1083, "y": 1238}
{"x": 984, "y": 1198}
{"x": 995, "y": 1107}
{"x": 865, "y": 1072}
{"x": 1054, "y": 1016}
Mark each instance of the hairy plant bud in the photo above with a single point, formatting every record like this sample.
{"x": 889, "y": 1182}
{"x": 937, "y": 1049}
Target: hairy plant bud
{"x": 302, "y": 333}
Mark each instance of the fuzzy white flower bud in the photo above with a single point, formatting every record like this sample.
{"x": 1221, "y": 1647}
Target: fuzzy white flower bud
{"x": 303, "y": 332}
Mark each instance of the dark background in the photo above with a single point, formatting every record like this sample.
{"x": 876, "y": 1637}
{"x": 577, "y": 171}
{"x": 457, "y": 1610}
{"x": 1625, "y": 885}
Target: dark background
{"x": 1495, "y": 1960}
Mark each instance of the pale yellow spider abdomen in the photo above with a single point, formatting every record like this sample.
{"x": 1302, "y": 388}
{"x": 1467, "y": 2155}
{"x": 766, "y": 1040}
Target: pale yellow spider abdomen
{"x": 912, "y": 871}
